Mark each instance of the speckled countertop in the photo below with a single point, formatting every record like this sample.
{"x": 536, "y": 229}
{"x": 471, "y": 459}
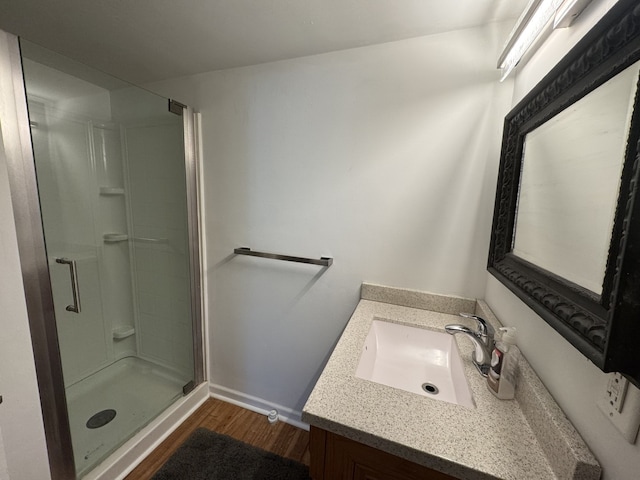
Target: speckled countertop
{"x": 525, "y": 438}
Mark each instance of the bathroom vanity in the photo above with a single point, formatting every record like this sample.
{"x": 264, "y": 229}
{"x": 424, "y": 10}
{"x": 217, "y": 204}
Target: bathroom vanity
{"x": 363, "y": 429}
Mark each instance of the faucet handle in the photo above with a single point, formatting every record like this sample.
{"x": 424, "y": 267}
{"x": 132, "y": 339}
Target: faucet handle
{"x": 484, "y": 328}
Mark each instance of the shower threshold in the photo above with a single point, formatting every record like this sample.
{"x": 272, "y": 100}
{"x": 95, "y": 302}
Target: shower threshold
{"x": 136, "y": 390}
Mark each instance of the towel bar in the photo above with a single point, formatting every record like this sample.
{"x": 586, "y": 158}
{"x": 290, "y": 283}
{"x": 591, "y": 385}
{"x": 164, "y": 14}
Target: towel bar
{"x": 324, "y": 261}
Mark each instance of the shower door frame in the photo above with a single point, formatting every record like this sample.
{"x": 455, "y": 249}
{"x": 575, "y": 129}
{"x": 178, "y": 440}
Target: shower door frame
{"x": 35, "y": 270}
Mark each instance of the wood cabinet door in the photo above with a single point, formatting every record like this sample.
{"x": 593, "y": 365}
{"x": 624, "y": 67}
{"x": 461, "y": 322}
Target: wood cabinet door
{"x": 346, "y": 459}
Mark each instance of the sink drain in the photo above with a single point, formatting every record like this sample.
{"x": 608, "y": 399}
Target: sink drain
{"x": 100, "y": 419}
{"x": 430, "y": 388}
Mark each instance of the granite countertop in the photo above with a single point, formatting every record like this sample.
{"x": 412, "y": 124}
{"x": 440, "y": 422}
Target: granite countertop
{"x": 525, "y": 438}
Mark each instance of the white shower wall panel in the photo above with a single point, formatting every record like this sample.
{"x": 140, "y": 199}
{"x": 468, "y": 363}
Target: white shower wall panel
{"x": 158, "y": 206}
{"x": 108, "y": 154}
{"x": 115, "y": 271}
{"x": 63, "y": 160}
{"x": 85, "y": 343}
{"x": 68, "y": 191}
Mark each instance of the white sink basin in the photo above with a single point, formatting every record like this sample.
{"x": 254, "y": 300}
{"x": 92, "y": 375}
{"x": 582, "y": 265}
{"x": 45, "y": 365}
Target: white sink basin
{"x": 415, "y": 360}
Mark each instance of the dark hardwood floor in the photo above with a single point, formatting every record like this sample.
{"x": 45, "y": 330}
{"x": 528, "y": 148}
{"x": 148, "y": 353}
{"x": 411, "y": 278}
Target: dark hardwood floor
{"x": 245, "y": 425}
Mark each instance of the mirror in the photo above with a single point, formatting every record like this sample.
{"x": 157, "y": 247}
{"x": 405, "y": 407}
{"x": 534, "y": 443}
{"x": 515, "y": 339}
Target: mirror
{"x": 569, "y": 183}
{"x": 564, "y": 237}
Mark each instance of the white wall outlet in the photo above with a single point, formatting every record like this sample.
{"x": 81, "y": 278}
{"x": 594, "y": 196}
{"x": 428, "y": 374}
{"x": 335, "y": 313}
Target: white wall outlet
{"x": 620, "y": 403}
{"x": 616, "y": 391}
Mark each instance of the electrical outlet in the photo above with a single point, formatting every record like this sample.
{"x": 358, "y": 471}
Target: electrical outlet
{"x": 616, "y": 391}
{"x": 620, "y": 403}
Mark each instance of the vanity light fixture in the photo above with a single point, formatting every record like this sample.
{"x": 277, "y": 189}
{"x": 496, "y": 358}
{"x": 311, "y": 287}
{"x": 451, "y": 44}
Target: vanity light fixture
{"x": 528, "y": 28}
{"x": 568, "y": 12}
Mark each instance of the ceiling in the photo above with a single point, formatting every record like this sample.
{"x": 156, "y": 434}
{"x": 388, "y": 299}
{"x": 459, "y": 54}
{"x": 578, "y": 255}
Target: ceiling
{"x": 148, "y": 40}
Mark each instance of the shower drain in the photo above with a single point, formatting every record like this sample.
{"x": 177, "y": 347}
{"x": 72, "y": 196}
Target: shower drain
{"x": 100, "y": 419}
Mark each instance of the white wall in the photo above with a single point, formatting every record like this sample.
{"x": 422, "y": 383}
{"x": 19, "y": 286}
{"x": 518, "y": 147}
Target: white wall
{"x": 20, "y": 418}
{"x": 575, "y": 383}
{"x": 375, "y": 156}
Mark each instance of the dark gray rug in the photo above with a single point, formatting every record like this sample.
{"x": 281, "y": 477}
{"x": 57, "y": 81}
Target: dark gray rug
{"x": 207, "y": 455}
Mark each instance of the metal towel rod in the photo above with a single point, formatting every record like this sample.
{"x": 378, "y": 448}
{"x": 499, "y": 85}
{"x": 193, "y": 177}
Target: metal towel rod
{"x": 324, "y": 261}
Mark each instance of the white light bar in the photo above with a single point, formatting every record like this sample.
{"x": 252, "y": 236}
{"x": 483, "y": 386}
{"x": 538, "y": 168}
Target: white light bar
{"x": 529, "y": 27}
{"x": 568, "y": 12}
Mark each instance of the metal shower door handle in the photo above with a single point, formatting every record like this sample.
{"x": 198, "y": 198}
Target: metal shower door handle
{"x": 75, "y": 307}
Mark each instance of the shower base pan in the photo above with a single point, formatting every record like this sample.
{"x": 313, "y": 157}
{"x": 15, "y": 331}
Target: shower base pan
{"x": 135, "y": 389}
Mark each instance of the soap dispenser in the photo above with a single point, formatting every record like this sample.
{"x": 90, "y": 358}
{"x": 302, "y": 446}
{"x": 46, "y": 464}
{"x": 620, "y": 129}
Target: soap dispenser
{"x": 502, "y": 376}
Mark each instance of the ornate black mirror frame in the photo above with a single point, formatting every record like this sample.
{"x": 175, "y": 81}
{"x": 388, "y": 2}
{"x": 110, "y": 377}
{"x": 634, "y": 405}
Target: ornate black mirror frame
{"x": 606, "y": 327}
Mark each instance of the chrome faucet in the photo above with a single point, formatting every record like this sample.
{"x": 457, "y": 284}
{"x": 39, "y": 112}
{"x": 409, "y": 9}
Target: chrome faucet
{"x": 482, "y": 339}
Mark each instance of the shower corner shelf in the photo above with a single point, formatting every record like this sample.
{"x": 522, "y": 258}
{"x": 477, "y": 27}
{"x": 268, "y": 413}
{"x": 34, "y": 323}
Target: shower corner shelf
{"x": 111, "y": 191}
{"x": 115, "y": 237}
{"x": 120, "y": 333}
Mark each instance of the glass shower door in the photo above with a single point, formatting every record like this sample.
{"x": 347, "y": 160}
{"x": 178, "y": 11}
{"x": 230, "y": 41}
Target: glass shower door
{"x": 110, "y": 162}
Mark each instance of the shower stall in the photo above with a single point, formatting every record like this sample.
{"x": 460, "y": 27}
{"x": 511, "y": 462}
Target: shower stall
{"x": 116, "y": 192}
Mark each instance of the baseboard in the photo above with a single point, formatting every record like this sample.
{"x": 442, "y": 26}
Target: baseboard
{"x": 259, "y": 405}
{"x": 128, "y": 456}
